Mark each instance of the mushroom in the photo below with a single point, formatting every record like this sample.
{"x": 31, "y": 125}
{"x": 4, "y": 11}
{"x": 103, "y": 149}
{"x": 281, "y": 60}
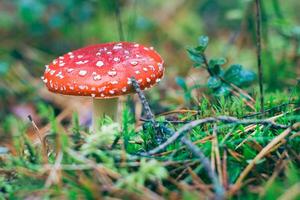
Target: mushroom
{"x": 104, "y": 72}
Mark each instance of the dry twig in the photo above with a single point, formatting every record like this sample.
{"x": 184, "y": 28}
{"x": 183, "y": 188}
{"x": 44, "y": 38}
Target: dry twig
{"x": 224, "y": 119}
{"x": 193, "y": 148}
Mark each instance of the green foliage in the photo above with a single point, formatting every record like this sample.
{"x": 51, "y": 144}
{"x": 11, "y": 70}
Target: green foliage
{"x": 149, "y": 170}
{"x": 239, "y": 76}
{"x": 101, "y": 138}
{"x": 78, "y": 164}
{"x": 197, "y": 54}
{"x": 220, "y": 79}
{"x": 94, "y": 156}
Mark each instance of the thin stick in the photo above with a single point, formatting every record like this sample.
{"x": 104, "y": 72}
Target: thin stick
{"x": 206, "y": 164}
{"x": 119, "y": 20}
{"x": 224, "y": 119}
{"x": 217, "y": 153}
{"x": 40, "y": 137}
{"x": 36, "y": 128}
{"x": 144, "y": 102}
{"x": 193, "y": 148}
{"x": 258, "y": 51}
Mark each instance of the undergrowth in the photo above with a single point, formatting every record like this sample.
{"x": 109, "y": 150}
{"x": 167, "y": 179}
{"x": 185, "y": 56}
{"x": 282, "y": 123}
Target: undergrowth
{"x": 68, "y": 162}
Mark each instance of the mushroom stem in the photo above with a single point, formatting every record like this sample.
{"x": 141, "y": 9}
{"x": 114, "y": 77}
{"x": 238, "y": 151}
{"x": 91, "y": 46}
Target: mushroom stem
{"x": 102, "y": 108}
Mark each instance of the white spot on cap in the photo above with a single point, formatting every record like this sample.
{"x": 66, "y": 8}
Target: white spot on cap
{"x": 98, "y": 54}
{"x": 118, "y": 46}
{"x": 114, "y": 82}
{"x": 42, "y": 77}
{"x": 109, "y": 52}
{"x": 136, "y": 45}
{"x": 71, "y": 56}
{"x": 126, "y": 52}
{"x": 52, "y": 72}
{"x": 62, "y": 64}
{"x": 146, "y": 48}
{"x": 124, "y": 89}
{"x": 70, "y": 70}
{"x": 93, "y": 89}
{"x": 54, "y": 61}
{"x": 59, "y": 74}
{"x": 157, "y": 80}
{"x": 112, "y": 73}
{"x": 129, "y": 81}
{"x": 102, "y": 95}
{"x": 99, "y": 63}
{"x": 140, "y": 80}
{"x": 79, "y": 56}
{"x": 82, "y": 72}
{"x": 117, "y": 59}
{"x": 61, "y": 57}
{"x": 151, "y": 48}
{"x": 82, "y": 87}
{"x": 82, "y": 62}
{"x": 45, "y": 80}
{"x": 93, "y": 95}
{"x": 111, "y": 91}
{"x": 97, "y": 77}
{"x": 134, "y": 63}
{"x": 152, "y": 67}
{"x": 145, "y": 69}
{"x": 71, "y": 87}
{"x": 101, "y": 89}
{"x": 148, "y": 80}
{"x": 137, "y": 72}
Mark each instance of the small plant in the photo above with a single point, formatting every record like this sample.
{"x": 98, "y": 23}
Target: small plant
{"x": 221, "y": 81}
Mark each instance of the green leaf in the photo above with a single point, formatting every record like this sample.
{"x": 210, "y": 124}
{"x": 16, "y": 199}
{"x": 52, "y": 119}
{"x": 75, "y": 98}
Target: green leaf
{"x": 181, "y": 82}
{"x": 217, "y": 61}
{"x": 223, "y": 90}
{"x": 214, "y": 82}
{"x": 203, "y": 42}
{"x": 237, "y": 75}
{"x": 215, "y": 65}
{"x": 195, "y": 56}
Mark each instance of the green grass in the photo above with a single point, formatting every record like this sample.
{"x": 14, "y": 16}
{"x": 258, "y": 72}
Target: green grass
{"x": 74, "y": 164}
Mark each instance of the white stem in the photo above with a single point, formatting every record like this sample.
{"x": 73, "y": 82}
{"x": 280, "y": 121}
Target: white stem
{"x": 102, "y": 108}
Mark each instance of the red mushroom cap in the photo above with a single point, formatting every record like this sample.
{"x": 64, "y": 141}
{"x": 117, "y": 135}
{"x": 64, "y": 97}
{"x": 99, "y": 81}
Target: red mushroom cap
{"x": 104, "y": 70}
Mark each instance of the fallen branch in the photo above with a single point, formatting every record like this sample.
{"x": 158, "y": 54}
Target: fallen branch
{"x": 219, "y": 190}
{"x": 225, "y": 119}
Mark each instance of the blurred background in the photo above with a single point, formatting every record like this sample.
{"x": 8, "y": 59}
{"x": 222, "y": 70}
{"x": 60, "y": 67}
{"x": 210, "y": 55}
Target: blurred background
{"x": 34, "y": 32}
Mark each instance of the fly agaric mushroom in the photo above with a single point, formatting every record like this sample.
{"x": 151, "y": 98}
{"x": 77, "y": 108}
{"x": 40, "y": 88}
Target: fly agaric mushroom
{"x": 104, "y": 71}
